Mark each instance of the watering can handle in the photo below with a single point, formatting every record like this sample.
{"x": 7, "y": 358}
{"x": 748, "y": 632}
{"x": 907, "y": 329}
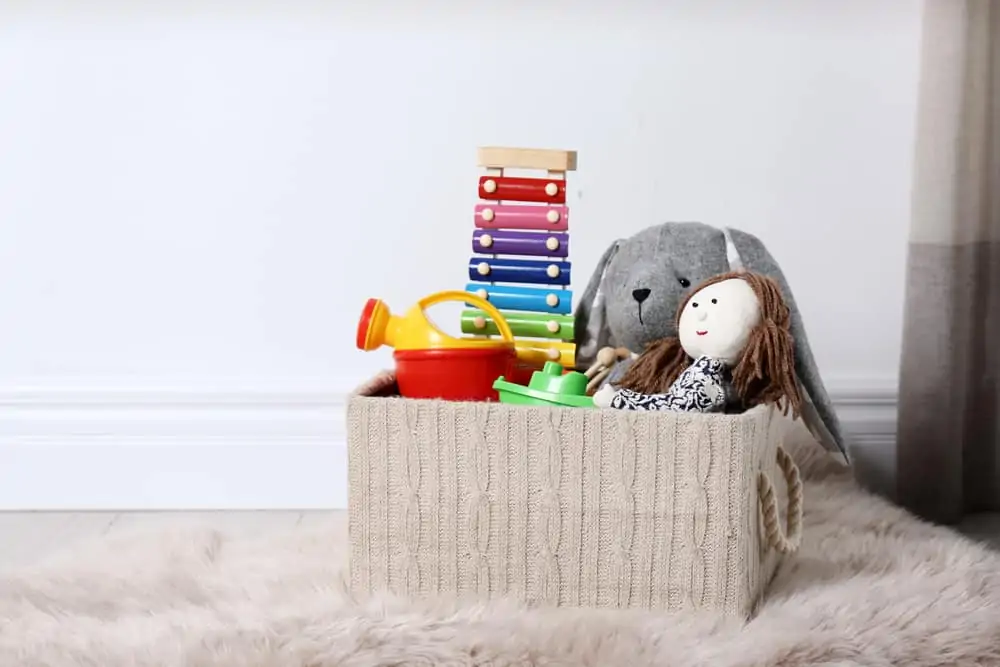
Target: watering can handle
{"x": 474, "y": 299}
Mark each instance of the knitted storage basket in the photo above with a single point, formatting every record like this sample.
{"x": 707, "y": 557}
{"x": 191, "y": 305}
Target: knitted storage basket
{"x": 568, "y": 506}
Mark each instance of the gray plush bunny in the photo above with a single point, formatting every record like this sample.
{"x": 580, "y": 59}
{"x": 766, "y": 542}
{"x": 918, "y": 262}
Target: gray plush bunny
{"x": 633, "y": 296}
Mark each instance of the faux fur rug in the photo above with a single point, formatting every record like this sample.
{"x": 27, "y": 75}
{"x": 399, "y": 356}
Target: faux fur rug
{"x": 871, "y": 586}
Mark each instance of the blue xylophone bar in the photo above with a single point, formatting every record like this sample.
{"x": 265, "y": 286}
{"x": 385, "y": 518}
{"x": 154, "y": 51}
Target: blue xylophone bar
{"x": 535, "y": 299}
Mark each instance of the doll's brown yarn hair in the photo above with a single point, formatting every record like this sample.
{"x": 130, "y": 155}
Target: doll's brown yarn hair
{"x": 764, "y": 374}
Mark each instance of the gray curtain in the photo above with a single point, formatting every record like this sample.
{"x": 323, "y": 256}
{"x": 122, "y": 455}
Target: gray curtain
{"x": 948, "y": 440}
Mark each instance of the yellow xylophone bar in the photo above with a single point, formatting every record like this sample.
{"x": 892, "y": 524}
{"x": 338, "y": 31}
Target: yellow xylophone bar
{"x": 564, "y": 353}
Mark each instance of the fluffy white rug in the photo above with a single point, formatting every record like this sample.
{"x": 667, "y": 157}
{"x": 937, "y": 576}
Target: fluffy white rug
{"x": 871, "y": 586}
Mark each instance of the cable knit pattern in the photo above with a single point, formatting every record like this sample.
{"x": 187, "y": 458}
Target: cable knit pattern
{"x": 549, "y": 464}
{"x": 410, "y": 478}
{"x": 479, "y": 504}
{"x": 561, "y": 506}
{"x": 623, "y": 518}
{"x": 705, "y": 556}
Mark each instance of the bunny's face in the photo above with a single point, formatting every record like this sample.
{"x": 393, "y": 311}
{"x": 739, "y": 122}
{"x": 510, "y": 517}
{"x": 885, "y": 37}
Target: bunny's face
{"x": 651, "y": 273}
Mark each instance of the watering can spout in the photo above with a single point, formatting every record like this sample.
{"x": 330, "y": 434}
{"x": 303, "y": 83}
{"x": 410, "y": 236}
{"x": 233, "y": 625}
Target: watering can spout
{"x": 374, "y": 328}
{"x": 410, "y": 331}
{"x": 413, "y": 331}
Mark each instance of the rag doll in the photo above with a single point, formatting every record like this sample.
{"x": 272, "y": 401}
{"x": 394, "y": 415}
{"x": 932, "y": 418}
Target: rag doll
{"x": 734, "y": 350}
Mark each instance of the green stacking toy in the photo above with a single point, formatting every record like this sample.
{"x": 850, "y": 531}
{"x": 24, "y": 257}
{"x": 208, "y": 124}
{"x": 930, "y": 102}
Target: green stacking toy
{"x": 548, "y": 387}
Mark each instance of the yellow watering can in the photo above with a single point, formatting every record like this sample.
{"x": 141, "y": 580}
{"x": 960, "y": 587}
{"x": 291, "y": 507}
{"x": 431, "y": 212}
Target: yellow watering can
{"x": 432, "y": 364}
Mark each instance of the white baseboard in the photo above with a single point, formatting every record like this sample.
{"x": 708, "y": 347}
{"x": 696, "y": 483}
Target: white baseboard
{"x": 98, "y": 450}
{"x": 151, "y": 450}
{"x": 868, "y": 416}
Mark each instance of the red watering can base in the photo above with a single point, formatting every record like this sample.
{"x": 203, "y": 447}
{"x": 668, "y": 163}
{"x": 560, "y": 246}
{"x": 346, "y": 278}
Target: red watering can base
{"x": 460, "y": 374}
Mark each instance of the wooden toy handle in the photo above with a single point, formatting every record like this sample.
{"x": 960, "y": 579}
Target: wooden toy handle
{"x": 604, "y": 362}
{"x": 474, "y": 299}
{"x": 787, "y": 541}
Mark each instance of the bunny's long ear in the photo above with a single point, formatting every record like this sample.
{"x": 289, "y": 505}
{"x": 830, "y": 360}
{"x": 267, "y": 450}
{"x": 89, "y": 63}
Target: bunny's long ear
{"x": 817, "y": 408}
{"x": 591, "y": 325}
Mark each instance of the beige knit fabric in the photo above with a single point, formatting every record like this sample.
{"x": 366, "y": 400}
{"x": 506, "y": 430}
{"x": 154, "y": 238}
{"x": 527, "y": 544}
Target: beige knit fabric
{"x": 562, "y": 506}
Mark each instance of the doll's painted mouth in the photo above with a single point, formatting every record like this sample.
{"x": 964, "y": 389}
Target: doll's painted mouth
{"x": 701, "y": 333}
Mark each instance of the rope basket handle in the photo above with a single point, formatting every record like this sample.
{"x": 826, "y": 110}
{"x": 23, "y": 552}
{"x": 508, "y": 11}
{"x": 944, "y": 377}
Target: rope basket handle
{"x": 783, "y": 541}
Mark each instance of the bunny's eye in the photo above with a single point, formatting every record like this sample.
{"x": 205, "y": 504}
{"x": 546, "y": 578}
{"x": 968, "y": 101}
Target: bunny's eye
{"x": 684, "y": 282}
{"x": 714, "y": 301}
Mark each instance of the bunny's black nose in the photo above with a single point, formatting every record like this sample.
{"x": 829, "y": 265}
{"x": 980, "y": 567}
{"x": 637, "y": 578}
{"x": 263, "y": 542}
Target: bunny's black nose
{"x": 640, "y": 295}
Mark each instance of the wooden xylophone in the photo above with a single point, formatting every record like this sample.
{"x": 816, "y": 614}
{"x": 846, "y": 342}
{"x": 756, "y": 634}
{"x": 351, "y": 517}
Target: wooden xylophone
{"x": 521, "y": 249}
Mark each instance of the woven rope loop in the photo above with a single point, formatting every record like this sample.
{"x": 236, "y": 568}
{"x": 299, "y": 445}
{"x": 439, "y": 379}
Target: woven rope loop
{"x": 787, "y": 541}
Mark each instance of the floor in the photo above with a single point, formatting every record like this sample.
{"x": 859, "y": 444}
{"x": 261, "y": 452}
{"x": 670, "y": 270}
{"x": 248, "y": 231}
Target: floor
{"x": 984, "y": 528}
{"x": 25, "y": 537}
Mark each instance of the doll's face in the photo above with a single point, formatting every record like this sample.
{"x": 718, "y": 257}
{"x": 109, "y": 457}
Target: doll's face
{"x": 718, "y": 319}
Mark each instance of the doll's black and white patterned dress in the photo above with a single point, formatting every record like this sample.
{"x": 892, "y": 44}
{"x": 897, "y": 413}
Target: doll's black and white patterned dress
{"x": 703, "y": 386}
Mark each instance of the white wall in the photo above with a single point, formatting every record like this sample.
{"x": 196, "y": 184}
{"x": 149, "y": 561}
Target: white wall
{"x": 194, "y": 206}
